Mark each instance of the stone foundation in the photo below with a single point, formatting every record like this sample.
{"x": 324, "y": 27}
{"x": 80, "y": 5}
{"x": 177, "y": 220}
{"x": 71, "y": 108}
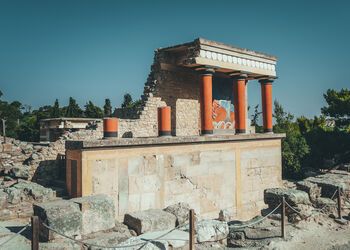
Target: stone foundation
{"x": 210, "y": 173}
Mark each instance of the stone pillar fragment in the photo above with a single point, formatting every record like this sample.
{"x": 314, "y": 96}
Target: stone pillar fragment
{"x": 164, "y": 121}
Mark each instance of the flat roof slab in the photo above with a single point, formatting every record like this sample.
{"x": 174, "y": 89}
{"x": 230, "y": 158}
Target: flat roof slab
{"x": 156, "y": 141}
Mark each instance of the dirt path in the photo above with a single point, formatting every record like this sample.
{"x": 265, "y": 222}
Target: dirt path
{"x": 312, "y": 235}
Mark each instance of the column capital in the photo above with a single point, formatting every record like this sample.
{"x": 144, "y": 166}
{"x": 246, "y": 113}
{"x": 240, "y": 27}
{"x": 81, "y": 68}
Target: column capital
{"x": 205, "y": 70}
{"x": 266, "y": 81}
{"x": 239, "y": 76}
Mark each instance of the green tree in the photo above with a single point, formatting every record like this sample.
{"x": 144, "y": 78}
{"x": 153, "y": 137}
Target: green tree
{"x": 12, "y": 113}
{"x": 107, "y": 108}
{"x": 338, "y": 107}
{"x": 294, "y": 146}
{"x": 92, "y": 111}
{"x": 56, "y": 111}
{"x": 73, "y": 109}
{"x": 127, "y": 101}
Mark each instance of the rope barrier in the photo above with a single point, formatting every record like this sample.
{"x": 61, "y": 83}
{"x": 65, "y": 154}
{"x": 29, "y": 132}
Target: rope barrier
{"x": 258, "y": 221}
{"x": 14, "y": 236}
{"x": 318, "y": 209}
{"x": 141, "y": 244}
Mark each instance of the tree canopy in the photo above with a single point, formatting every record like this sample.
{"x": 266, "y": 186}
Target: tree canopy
{"x": 338, "y": 107}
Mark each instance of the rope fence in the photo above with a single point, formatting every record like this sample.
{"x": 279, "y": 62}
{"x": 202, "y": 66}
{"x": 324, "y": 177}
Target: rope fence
{"x": 15, "y": 235}
{"x": 191, "y": 227}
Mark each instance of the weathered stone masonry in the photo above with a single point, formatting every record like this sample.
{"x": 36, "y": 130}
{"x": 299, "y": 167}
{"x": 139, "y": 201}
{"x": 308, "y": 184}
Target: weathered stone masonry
{"x": 166, "y": 86}
{"x": 213, "y": 161}
{"x": 176, "y": 80}
{"x": 210, "y": 173}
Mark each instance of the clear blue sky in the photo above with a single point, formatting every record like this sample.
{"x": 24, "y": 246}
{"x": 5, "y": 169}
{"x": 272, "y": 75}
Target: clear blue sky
{"x": 93, "y": 50}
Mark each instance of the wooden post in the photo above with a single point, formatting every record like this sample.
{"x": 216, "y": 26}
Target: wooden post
{"x": 192, "y": 230}
{"x": 35, "y": 233}
{"x": 339, "y": 203}
{"x": 283, "y": 215}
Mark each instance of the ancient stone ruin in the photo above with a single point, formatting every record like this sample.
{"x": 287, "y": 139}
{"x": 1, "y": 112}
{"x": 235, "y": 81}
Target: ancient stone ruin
{"x": 189, "y": 147}
{"x": 191, "y": 141}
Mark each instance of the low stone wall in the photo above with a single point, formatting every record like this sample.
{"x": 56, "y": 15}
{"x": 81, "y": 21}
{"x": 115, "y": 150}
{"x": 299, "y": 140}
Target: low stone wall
{"x": 210, "y": 173}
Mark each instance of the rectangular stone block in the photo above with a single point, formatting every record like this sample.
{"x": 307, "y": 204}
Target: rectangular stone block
{"x": 150, "y": 220}
{"x": 98, "y": 212}
{"x": 62, "y": 215}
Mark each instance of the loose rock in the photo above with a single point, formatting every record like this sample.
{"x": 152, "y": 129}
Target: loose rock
{"x": 181, "y": 211}
{"x": 150, "y": 220}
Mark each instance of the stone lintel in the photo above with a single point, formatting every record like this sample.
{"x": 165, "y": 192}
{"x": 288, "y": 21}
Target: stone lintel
{"x": 158, "y": 141}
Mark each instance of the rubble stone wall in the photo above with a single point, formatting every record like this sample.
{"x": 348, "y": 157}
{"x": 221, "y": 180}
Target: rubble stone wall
{"x": 25, "y": 160}
{"x": 166, "y": 86}
{"x": 209, "y": 176}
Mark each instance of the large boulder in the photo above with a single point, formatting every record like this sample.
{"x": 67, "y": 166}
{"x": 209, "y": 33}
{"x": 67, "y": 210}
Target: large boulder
{"x": 211, "y": 230}
{"x": 98, "y": 213}
{"x": 14, "y": 195}
{"x": 35, "y": 191}
{"x": 313, "y": 190}
{"x": 273, "y": 196}
{"x": 62, "y": 216}
{"x": 330, "y": 183}
{"x": 181, "y": 211}
{"x": 236, "y": 239}
{"x": 19, "y": 171}
{"x": 106, "y": 239}
{"x": 150, "y": 220}
{"x": 225, "y": 215}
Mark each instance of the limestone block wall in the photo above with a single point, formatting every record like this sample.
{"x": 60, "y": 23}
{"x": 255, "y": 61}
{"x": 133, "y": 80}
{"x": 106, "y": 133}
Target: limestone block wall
{"x": 209, "y": 176}
{"x": 171, "y": 86}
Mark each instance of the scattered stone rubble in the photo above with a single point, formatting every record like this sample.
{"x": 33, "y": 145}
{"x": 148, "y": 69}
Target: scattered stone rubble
{"x": 40, "y": 162}
{"x": 23, "y": 162}
{"x": 91, "y": 219}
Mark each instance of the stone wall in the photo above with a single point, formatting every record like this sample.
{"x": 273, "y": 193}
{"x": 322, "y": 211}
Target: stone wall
{"x": 166, "y": 86}
{"x": 210, "y": 176}
{"x": 40, "y": 162}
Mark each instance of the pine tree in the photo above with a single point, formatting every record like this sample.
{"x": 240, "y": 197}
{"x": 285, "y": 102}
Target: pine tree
{"x": 73, "y": 109}
{"x": 92, "y": 111}
{"x": 107, "y": 108}
{"x": 56, "y": 112}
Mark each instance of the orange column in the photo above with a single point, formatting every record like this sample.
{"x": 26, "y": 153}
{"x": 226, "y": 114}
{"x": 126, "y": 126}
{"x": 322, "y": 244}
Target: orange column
{"x": 266, "y": 100}
{"x": 207, "y": 102}
{"x": 235, "y": 103}
{"x": 110, "y": 127}
{"x": 164, "y": 121}
{"x": 240, "y": 102}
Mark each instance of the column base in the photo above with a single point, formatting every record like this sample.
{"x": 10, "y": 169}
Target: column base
{"x": 268, "y": 130}
{"x": 207, "y": 132}
{"x": 240, "y": 131}
{"x": 107, "y": 134}
{"x": 164, "y": 133}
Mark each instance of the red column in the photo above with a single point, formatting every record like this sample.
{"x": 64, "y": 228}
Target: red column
{"x": 164, "y": 121}
{"x": 110, "y": 127}
{"x": 207, "y": 102}
{"x": 239, "y": 94}
{"x": 266, "y": 100}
